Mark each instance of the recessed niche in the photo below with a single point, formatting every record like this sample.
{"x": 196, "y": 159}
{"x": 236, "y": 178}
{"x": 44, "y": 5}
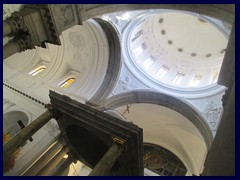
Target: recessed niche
{"x": 170, "y": 42}
{"x": 208, "y": 55}
{"x": 180, "y": 50}
{"x": 193, "y": 54}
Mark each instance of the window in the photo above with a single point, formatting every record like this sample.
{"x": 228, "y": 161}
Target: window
{"x": 162, "y": 71}
{"x": 137, "y": 35}
{"x": 66, "y": 82}
{"x": 195, "y": 81}
{"x": 144, "y": 46}
{"x": 149, "y": 61}
{"x": 140, "y": 49}
{"x": 37, "y": 70}
{"x": 178, "y": 78}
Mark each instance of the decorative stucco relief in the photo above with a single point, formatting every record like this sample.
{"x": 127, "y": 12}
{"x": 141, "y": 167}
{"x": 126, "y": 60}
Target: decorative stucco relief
{"x": 212, "y": 112}
{"x": 127, "y": 81}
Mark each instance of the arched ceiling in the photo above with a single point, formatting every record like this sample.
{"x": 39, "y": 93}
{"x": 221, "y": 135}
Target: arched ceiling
{"x": 190, "y": 33}
{"x": 161, "y": 125}
{"x": 168, "y": 129}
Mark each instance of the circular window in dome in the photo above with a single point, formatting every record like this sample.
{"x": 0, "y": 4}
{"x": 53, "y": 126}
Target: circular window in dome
{"x": 179, "y": 65}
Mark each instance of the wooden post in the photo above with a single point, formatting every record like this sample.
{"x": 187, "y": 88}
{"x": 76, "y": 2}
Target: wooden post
{"x": 46, "y": 170}
{"x": 105, "y": 164}
{"x": 63, "y": 166}
{"x": 43, "y": 160}
{"x": 18, "y": 140}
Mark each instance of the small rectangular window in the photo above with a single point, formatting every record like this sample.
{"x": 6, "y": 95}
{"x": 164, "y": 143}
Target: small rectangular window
{"x": 147, "y": 63}
{"x": 195, "y": 81}
{"x": 162, "y": 71}
{"x": 137, "y": 35}
{"x": 144, "y": 46}
{"x": 140, "y": 49}
{"x": 178, "y": 78}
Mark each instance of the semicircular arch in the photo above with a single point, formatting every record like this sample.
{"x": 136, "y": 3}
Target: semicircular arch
{"x": 163, "y": 100}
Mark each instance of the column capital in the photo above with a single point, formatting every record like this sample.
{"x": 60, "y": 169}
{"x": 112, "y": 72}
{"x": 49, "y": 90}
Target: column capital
{"x": 16, "y": 23}
{"x": 24, "y": 42}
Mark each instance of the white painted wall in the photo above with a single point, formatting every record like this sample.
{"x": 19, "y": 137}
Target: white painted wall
{"x": 84, "y": 51}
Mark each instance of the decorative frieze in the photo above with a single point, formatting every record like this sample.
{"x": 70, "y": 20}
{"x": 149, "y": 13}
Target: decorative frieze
{"x": 34, "y": 25}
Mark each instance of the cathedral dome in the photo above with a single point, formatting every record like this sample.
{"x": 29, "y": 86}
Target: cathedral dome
{"x": 176, "y": 49}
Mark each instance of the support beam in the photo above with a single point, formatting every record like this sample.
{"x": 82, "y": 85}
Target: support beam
{"x": 18, "y": 140}
{"x": 64, "y": 164}
{"x": 47, "y": 169}
{"x": 105, "y": 164}
{"x": 43, "y": 160}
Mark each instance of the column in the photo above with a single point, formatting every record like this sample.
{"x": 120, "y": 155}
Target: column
{"x": 47, "y": 169}
{"x": 220, "y": 160}
{"x": 105, "y": 164}
{"x": 43, "y": 160}
{"x": 64, "y": 164}
{"x": 227, "y": 73}
{"x": 18, "y": 140}
{"x": 10, "y": 49}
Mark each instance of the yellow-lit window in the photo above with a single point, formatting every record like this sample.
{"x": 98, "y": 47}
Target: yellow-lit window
{"x": 37, "y": 70}
{"x": 67, "y": 82}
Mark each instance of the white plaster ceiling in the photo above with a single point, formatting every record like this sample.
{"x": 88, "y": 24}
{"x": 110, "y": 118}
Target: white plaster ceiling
{"x": 190, "y": 33}
{"x": 182, "y": 43}
{"x": 161, "y": 125}
{"x": 169, "y": 129}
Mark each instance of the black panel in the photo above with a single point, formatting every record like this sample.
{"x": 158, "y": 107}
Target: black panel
{"x": 88, "y": 133}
